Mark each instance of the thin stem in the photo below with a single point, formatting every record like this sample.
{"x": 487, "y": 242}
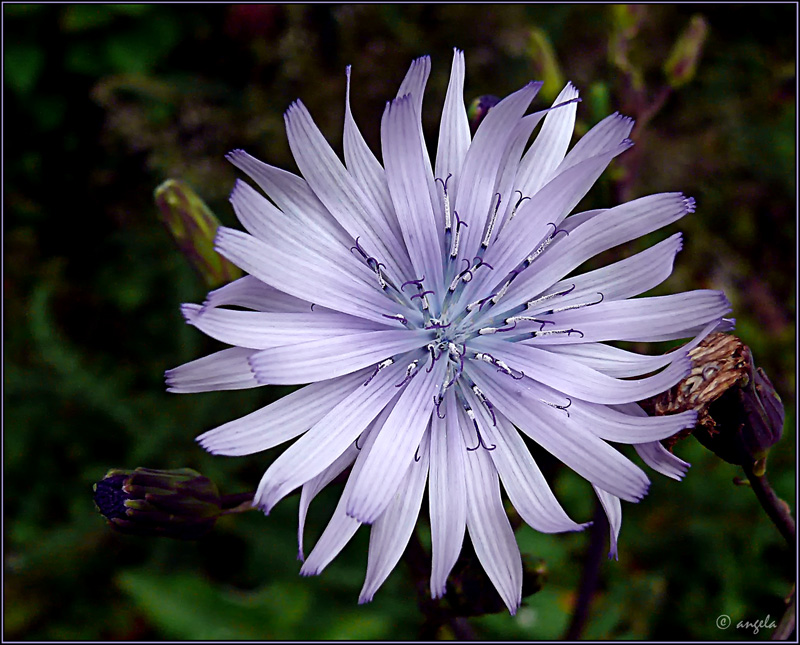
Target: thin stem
{"x": 786, "y": 627}
{"x": 777, "y": 510}
{"x": 590, "y": 575}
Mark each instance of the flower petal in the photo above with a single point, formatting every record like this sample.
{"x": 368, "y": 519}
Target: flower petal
{"x": 390, "y": 533}
{"x": 315, "y": 485}
{"x": 281, "y": 420}
{"x": 224, "y": 370}
{"x": 604, "y": 231}
{"x": 641, "y": 319}
{"x": 548, "y": 149}
{"x": 662, "y": 460}
{"x": 327, "y": 439}
{"x": 613, "y": 508}
{"x": 482, "y": 164}
{"x": 608, "y": 133}
{"x": 403, "y": 156}
{"x": 260, "y": 330}
{"x": 525, "y": 485}
{"x": 620, "y": 363}
{"x": 250, "y": 292}
{"x": 531, "y": 225}
{"x": 340, "y": 193}
{"x": 341, "y": 527}
{"x": 365, "y": 168}
{"x": 446, "y": 495}
{"x": 454, "y": 135}
{"x": 562, "y": 436}
{"x": 489, "y": 528}
{"x": 395, "y": 446}
{"x": 291, "y": 194}
{"x": 304, "y": 280}
{"x": 318, "y": 360}
{"x": 573, "y": 378}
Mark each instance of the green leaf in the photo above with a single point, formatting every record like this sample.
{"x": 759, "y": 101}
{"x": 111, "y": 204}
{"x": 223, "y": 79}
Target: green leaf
{"x": 189, "y": 607}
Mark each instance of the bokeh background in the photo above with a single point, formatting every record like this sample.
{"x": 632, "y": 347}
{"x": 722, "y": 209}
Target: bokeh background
{"x": 102, "y": 103}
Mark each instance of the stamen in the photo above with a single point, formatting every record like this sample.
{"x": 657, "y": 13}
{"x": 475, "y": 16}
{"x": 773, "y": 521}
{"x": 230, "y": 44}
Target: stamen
{"x": 504, "y": 289}
{"x": 437, "y": 401}
{"x": 424, "y": 299}
{"x": 416, "y": 454}
{"x": 578, "y": 306}
{"x": 471, "y": 415}
{"x": 531, "y": 319}
{"x": 516, "y": 206}
{"x": 447, "y": 221}
{"x": 486, "y": 358}
{"x": 358, "y": 248}
{"x": 312, "y": 306}
{"x": 356, "y": 442}
{"x": 487, "y": 237}
{"x": 496, "y": 330}
{"x": 399, "y": 317}
{"x": 559, "y": 407}
{"x": 378, "y": 368}
{"x": 532, "y": 303}
{"x": 502, "y": 367}
{"x": 411, "y": 372}
{"x": 373, "y": 264}
{"x": 482, "y": 397}
{"x": 415, "y": 282}
{"x": 457, "y": 236}
{"x": 431, "y": 347}
{"x": 481, "y": 263}
{"x": 553, "y": 332}
{"x": 435, "y": 323}
{"x": 547, "y": 242}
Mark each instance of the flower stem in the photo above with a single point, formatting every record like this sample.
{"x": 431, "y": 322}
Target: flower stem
{"x": 590, "y": 575}
{"x": 777, "y": 510}
{"x": 786, "y": 627}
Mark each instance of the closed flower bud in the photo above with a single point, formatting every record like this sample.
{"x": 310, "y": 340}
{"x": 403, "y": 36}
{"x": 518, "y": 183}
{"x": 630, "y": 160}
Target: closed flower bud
{"x": 179, "y": 503}
{"x": 479, "y": 108}
{"x": 193, "y": 227}
{"x": 682, "y": 62}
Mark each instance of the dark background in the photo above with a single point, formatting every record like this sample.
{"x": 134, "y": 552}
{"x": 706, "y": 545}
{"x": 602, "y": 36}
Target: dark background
{"x": 102, "y": 103}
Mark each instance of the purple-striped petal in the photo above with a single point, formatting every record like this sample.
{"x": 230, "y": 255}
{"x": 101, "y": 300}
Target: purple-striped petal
{"x": 390, "y": 533}
{"x": 224, "y": 370}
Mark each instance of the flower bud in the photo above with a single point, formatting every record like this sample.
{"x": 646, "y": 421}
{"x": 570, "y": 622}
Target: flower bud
{"x": 179, "y": 503}
{"x": 682, "y": 62}
{"x": 479, "y": 108}
{"x": 193, "y": 227}
{"x": 740, "y": 416}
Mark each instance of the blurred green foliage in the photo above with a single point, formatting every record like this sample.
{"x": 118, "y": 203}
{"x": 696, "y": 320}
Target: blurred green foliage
{"x": 104, "y": 102}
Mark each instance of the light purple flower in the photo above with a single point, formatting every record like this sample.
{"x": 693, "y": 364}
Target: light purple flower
{"x": 428, "y": 307}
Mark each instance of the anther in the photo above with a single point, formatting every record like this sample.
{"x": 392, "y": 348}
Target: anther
{"x": 547, "y": 242}
{"x": 399, "y": 317}
{"x": 559, "y": 407}
{"x": 482, "y": 398}
{"x": 554, "y": 332}
{"x": 431, "y": 347}
{"x": 437, "y": 401}
{"x": 435, "y": 323}
{"x": 457, "y": 236}
{"x": 532, "y": 303}
{"x": 487, "y": 237}
{"x": 423, "y": 297}
{"x": 378, "y": 368}
{"x": 411, "y": 372}
{"x": 496, "y": 330}
{"x": 531, "y": 319}
{"x": 578, "y": 306}
{"x": 447, "y": 222}
{"x": 471, "y": 415}
{"x": 505, "y": 369}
